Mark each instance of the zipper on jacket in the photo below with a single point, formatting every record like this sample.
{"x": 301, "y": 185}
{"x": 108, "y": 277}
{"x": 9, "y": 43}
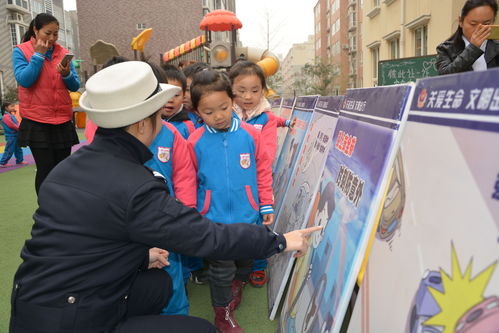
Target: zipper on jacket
{"x": 228, "y": 176}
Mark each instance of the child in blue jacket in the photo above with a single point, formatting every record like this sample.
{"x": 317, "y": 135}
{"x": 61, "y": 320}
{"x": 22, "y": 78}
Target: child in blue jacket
{"x": 174, "y": 112}
{"x": 171, "y": 159}
{"x": 10, "y": 129}
{"x": 234, "y": 186}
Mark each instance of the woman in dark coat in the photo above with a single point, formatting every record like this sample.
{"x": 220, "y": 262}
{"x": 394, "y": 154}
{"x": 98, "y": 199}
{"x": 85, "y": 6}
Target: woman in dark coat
{"x": 468, "y": 49}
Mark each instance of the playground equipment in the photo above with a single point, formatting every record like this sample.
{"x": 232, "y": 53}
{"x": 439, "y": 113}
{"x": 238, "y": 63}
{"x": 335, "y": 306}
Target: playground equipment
{"x": 139, "y": 41}
{"x": 219, "y": 52}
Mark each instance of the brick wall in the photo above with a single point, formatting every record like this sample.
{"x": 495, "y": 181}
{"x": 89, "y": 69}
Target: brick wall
{"x": 115, "y": 21}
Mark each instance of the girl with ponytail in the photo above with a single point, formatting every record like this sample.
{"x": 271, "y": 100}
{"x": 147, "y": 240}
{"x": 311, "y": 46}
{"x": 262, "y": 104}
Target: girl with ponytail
{"x": 44, "y": 101}
{"x": 469, "y": 48}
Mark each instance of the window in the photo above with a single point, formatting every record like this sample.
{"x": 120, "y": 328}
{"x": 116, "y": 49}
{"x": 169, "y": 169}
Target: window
{"x": 353, "y": 65}
{"x": 376, "y": 3}
{"x": 20, "y": 3}
{"x": 37, "y": 7}
{"x": 48, "y": 6}
{"x": 13, "y": 35}
{"x": 375, "y": 58}
{"x": 336, "y": 5}
{"x": 352, "y": 41}
{"x": 141, "y": 26}
{"x": 62, "y": 35}
{"x": 395, "y": 48}
{"x": 421, "y": 41}
{"x": 16, "y": 33}
{"x": 352, "y": 19}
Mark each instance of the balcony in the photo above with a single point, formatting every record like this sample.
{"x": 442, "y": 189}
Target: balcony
{"x": 20, "y": 6}
{"x": 373, "y": 12}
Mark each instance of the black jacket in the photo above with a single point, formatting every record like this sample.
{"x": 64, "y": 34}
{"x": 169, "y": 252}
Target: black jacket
{"x": 183, "y": 115}
{"x": 455, "y": 57}
{"x": 100, "y": 210}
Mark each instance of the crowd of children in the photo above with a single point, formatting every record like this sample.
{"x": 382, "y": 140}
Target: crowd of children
{"x": 215, "y": 150}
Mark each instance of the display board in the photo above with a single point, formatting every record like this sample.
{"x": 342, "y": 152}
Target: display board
{"x": 302, "y": 111}
{"x": 433, "y": 263}
{"x": 285, "y": 111}
{"x": 303, "y": 184}
{"x": 349, "y": 195}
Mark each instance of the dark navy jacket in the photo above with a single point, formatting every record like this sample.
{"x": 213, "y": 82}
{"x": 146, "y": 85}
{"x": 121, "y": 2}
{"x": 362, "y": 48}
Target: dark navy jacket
{"x": 100, "y": 210}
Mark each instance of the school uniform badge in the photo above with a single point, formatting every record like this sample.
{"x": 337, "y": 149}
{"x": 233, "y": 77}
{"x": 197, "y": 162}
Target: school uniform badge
{"x": 244, "y": 161}
{"x": 258, "y": 126}
{"x": 164, "y": 154}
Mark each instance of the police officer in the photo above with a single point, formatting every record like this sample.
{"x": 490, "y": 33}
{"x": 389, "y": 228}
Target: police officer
{"x": 105, "y": 223}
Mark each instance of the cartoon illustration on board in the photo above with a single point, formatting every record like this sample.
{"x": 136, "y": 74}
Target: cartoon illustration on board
{"x": 454, "y": 303}
{"x": 393, "y": 206}
{"x": 303, "y": 285}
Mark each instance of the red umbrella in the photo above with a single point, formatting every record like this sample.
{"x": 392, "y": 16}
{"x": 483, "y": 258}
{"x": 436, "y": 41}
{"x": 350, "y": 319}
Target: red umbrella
{"x": 220, "y": 20}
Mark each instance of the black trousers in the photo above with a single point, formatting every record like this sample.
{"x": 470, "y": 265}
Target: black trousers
{"x": 221, "y": 273}
{"x": 46, "y": 159}
{"x": 148, "y": 295}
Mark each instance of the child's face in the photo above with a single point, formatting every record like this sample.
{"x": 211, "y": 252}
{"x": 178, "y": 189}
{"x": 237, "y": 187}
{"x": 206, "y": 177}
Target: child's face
{"x": 248, "y": 91}
{"x": 187, "y": 95}
{"x": 216, "y": 109}
{"x": 10, "y": 108}
{"x": 175, "y": 103}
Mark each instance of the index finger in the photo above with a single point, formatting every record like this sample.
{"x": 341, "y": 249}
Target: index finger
{"x": 311, "y": 229}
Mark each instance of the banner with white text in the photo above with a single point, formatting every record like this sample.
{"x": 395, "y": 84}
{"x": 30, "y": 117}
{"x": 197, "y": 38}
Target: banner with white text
{"x": 433, "y": 263}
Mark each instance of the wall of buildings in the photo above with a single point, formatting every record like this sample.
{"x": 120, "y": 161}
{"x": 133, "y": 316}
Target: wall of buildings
{"x": 338, "y": 40}
{"x": 298, "y": 55}
{"x": 405, "y": 28}
{"x": 16, "y": 18}
{"x": 18, "y": 14}
{"x": 118, "y": 21}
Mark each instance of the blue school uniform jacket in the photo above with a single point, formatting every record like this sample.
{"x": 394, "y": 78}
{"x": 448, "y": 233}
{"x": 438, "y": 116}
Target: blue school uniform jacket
{"x": 172, "y": 160}
{"x": 233, "y": 184}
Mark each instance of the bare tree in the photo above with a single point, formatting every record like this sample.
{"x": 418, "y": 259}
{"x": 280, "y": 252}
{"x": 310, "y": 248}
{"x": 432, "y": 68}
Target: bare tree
{"x": 316, "y": 79}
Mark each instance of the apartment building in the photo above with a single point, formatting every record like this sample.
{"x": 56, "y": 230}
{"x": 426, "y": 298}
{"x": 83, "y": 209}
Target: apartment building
{"x": 338, "y": 40}
{"x": 298, "y": 55}
{"x": 395, "y": 29}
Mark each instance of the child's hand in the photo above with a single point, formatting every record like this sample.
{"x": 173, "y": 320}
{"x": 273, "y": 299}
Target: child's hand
{"x": 293, "y": 123}
{"x": 158, "y": 258}
{"x": 268, "y": 219}
{"x": 297, "y": 240}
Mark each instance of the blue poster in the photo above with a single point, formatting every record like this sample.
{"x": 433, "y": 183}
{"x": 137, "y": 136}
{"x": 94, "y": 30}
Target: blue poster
{"x": 434, "y": 269}
{"x": 347, "y": 200}
{"x": 302, "y": 111}
{"x": 303, "y": 184}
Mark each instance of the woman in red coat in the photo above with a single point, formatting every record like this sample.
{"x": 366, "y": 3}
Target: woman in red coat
{"x": 44, "y": 101}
